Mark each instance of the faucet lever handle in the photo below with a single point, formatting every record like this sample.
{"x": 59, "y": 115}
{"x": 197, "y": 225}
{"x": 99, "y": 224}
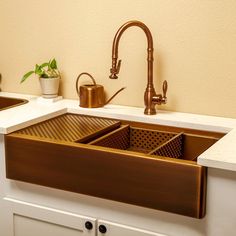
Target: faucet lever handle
{"x": 164, "y": 89}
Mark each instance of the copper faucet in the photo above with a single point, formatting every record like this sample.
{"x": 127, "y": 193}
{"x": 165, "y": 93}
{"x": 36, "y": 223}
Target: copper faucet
{"x": 150, "y": 96}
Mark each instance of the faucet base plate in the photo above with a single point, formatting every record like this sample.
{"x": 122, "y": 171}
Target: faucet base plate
{"x": 150, "y": 111}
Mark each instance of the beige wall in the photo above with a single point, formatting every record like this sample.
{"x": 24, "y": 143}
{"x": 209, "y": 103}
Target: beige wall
{"x": 194, "y": 41}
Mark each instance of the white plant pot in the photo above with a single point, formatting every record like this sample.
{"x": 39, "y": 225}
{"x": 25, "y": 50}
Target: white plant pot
{"x": 50, "y": 87}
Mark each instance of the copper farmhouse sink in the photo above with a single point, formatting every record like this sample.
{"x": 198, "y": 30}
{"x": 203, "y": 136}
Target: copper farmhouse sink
{"x": 136, "y": 163}
{"x": 6, "y": 102}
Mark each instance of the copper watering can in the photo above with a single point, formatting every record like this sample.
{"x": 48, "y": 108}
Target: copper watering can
{"x": 92, "y": 95}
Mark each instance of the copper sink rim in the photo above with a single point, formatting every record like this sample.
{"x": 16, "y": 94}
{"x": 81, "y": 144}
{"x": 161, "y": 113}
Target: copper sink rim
{"x": 22, "y": 102}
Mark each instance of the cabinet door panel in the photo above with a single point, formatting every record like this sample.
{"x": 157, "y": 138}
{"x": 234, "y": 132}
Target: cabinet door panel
{"x": 29, "y": 219}
{"x": 114, "y": 229}
{"x": 25, "y": 226}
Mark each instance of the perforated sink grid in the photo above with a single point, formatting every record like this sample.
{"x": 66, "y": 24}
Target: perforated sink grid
{"x": 134, "y": 139}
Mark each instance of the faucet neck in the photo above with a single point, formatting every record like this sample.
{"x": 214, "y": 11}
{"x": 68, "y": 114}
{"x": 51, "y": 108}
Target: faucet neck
{"x": 126, "y": 26}
{"x": 150, "y": 93}
{"x": 149, "y": 48}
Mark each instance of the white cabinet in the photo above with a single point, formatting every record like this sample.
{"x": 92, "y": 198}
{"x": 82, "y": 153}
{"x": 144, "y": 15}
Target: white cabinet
{"x": 106, "y": 228}
{"x": 25, "y": 219}
{"x": 26, "y": 226}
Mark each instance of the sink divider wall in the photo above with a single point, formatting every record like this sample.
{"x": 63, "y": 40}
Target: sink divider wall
{"x": 172, "y": 148}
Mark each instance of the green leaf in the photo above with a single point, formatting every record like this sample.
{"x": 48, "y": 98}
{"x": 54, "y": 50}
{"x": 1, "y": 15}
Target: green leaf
{"x": 44, "y": 64}
{"x": 38, "y": 70}
{"x": 37, "y": 67}
{"x": 53, "y": 64}
{"x": 41, "y": 71}
{"x": 28, "y": 74}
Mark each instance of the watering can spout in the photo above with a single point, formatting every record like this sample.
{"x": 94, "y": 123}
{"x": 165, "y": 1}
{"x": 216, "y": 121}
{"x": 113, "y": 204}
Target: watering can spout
{"x": 114, "y": 95}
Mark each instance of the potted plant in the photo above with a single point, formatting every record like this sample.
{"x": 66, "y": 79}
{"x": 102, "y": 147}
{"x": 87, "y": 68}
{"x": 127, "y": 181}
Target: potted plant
{"x": 49, "y": 78}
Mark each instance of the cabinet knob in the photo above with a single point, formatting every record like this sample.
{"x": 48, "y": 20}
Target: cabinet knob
{"x": 88, "y": 225}
{"x": 102, "y": 229}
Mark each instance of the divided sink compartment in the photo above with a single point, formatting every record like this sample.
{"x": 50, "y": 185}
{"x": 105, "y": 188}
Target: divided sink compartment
{"x": 155, "y": 142}
{"x": 136, "y": 163}
{"x": 134, "y": 139}
{"x": 6, "y": 102}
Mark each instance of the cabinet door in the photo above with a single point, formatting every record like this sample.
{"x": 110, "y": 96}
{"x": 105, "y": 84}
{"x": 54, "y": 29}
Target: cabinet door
{"x": 106, "y": 228}
{"x": 30, "y": 219}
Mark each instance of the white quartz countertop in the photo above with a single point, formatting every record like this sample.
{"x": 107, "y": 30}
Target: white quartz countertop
{"x": 221, "y": 155}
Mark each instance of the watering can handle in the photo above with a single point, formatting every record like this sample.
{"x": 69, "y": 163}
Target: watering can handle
{"x": 77, "y": 80}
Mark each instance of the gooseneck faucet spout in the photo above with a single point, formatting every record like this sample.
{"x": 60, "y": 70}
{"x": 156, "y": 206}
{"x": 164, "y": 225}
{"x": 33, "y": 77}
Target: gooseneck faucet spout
{"x": 150, "y": 96}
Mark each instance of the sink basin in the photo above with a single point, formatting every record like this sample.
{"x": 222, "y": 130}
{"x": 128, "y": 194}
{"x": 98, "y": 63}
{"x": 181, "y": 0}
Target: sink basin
{"x": 154, "y": 142}
{"x": 134, "y": 139}
{"x": 6, "y": 102}
{"x": 136, "y": 163}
